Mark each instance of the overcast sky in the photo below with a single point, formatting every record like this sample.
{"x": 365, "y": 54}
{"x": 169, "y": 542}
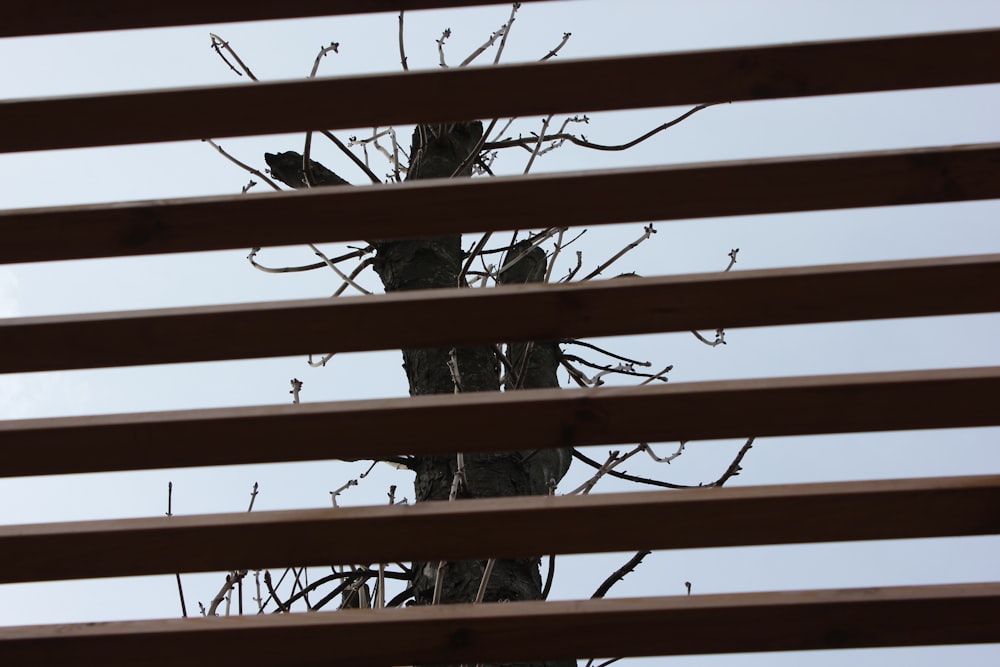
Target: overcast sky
{"x": 283, "y": 50}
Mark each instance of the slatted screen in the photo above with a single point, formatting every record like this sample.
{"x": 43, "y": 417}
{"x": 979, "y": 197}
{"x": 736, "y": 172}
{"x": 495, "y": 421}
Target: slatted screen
{"x": 933, "y": 507}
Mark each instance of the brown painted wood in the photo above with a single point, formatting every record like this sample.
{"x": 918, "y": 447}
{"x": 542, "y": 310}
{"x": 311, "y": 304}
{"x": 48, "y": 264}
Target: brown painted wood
{"x": 558, "y": 418}
{"x": 25, "y": 17}
{"x": 442, "y": 95}
{"x": 522, "y": 631}
{"x": 697, "y": 518}
{"x": 911, "y": 288}
{"x": 437, "y": 207}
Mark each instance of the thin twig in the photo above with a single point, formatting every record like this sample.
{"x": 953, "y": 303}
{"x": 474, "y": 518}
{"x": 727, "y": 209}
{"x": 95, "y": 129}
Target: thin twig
{"x": 242, "y": 165}
{"x": 734, "y": 468}
{"x": 555, "y": 51}
{"x": 402, "y": 50}
{"x": 573, "y": 271}
{"x": 607, "y": 353}
{"x": 336, "y": 492}
{"x": 273, "y": 594}
{"x": 664, "y": 459}
{"x": 353, "y": 274}
{"x": 354, "y": 158}
{"x": 440, "y": 42}
{"x": 487, "y": 571}
{"x": 631, "y": 478}
{"x": 510, "y": 22}
{"x": 720, "y": 338}
{"x": 554, "y": 255}
{"x": 619, "y": 574}
{"x": 523, "y": 142}
{"x": 360, "y": 252}
{"x": 648, "y": 231}
{"x": 538, "y": 146}
{"x": 253, "y": 496}
{"x": 218, "y": 44}
{"x": 487, "y": 44}
{"x": 343, "y": 276}
{"x": 334, "y": 46}
{"x": 658, "y": 376}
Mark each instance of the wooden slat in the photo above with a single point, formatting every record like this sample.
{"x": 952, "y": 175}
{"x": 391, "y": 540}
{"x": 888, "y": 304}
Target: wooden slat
{"x": 911, "y": 288}
{"x": 25, "y": 17}
{"x": 523, "y": 631}
{"x": 533, "y": 419}
{"x": 749, "y": 73}
{"x": 697, "y": 518}
{"x": 437, "y": 207}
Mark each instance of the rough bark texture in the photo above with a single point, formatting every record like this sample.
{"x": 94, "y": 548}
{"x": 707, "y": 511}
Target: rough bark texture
{"x": 437, "y": 151}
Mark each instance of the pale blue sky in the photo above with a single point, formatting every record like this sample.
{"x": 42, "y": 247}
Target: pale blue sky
{"x": 276, "y": 50}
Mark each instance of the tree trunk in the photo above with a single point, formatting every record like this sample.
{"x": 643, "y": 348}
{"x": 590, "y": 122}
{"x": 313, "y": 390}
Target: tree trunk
{"x": 437, "y": 151}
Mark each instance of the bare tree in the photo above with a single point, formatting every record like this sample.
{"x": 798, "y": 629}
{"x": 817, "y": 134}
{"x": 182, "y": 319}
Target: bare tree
{"x": 461, "y": 150}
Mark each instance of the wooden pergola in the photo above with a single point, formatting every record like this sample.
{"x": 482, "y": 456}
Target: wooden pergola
{"x": 756, "y": 515}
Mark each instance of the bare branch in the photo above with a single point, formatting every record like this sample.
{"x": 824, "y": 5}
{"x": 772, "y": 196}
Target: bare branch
{"x": 619, "y": 574}
{"x": 242, "y": 165}
{"x": 663, "y": 459}
{"x": 549, "y": 576}
{"x": 522, "y": 142}
{"x": 631, "y": 478}
{"x": 658, "y": 376}
{"x": 648, "y": 232}
{"x": 180, "y": 592}
{"x": 218, "y": 44}
{"x": 360, "y": 252}
{"x": 343, "y": 276}
{"x": 575, "y": 269}
{"x": 487, "y": 44}
{"x": 402, "y": 49}
{"x": 510, "y": 23}
{"x": 607, "y": 353}
{"x": 538, "y": 146}
{"x": 732, "y": 259}
{"x": 344, "y": 487}
{"x": 440, "y": 42}
{"x": 334, "y": 47}
{"x": 487, "y": 571}
{"x": 253, "y": 496}
{"x": 354, "y": 274}
{"x": 734, "y": 468}
{"x": 555, "y": 51}
{"x": 554, "y": 256}
{"x": 322, "y": 360}
{"x": 720, "y": 338}
{"x": 231, "y": 580}
{"x": 354, "y": 158}
{"x": 296, "y": 388}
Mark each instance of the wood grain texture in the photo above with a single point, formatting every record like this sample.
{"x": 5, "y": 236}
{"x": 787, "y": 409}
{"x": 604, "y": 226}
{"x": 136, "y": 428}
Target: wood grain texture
{"x": 453, "y": 634}
{"x": 693, "y": 518}
{"x": 911, "y": 288}
{"x": 461, "y": 94}
{"x": 443, "y": 424}
{"x": 25, "y": 17}
{"x": 438, "y": 207}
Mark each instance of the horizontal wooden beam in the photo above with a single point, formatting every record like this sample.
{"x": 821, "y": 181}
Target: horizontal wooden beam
{"x": 911, "y": 288}
{"x": 440, "y": 207}
{"x": 485, "y": 422}
{"x": 532, "y": 631}
{"x": 24, "y": 17}
{"x": 697, "y": 518}
{"x": 460, "y": 94}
